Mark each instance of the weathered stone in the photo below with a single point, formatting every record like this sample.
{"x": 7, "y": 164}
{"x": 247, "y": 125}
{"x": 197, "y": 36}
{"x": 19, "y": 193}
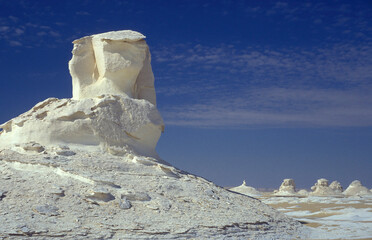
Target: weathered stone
{"x": 124, "y": 203}
{"x": 287, "y": 188}
{"x": 246, "y": 190}
{"x": 48, "y": 210}
{"x": 321, "y": 188}
{"x": 33, "y": 146}
{"x": 356, "y": 188}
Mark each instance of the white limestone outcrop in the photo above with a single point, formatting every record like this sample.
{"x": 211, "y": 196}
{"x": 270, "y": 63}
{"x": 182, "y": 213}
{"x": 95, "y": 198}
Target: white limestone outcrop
{"x": 116, "y": 63}
{"x": 336, "y": 186}
{"x": 113, "y": 101}
{"x": 287, "y": 188}
{"x": 246, "y": 190}
{"x": 356, "y": 188}
{"x": 100, "y": 122}
{"x": 86, "y": 168}
{"x": 303, "y": 193}
{"x": 322, "y": 188}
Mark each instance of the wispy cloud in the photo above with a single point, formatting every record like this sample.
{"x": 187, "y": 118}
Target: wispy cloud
{"x": 342, "y": 64}
{"x": 15, "y": 43}
{"x": 277, "y": 107}
{"x": 224, "y": 86}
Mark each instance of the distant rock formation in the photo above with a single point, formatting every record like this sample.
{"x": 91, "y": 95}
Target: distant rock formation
{"x": 86, "y": 168}
{"x": 287, "y": 188}
{"x": 303, "y": 193}
{"x": 321, "y": 188}
{"x": 336, "y": 186}
{"x": 356, "y": 189}
{"x": 246, "y": 190}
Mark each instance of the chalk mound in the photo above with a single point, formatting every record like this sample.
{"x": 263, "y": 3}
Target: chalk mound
{"x": 287, "y": 188}
{"x": 336, "y": 186}
{"x": 356, "y": 188}
{"x": 101, "y": 122}
{"x": 322, "y": 188}
{"x": 246, "y": 190}
{"x": 303, "y": 193}
{"x": 86, "y": 168}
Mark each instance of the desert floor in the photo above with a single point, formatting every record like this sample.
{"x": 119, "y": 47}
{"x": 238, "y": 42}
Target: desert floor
{"x": 328, "y": 217}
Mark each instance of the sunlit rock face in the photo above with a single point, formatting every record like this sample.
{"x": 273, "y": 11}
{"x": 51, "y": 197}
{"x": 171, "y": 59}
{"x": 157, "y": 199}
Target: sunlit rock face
{"x": 112, "y": 63}
{"x": 336, "y": 186}
{"x": 356, "y": 188}
{"x": 94, "y": 123}
{"x": 246, "y": 190}
{"x": 288, "y": 187}
{"x": 322, "y": 188}
{"x": 113, "y": 104}
{"x": 88, "y": 169}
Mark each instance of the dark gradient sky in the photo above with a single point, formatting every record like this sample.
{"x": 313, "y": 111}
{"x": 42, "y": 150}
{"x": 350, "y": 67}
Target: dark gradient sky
{"x": 255, "y": 90}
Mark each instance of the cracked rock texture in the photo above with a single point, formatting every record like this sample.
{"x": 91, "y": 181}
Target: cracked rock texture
{"x": 86, "y": 167}
{"x": 102, "y": 196}
{"x": 100, "y": 122}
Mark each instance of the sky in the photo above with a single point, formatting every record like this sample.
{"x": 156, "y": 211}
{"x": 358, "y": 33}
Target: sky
{"x": 254, "y": 90}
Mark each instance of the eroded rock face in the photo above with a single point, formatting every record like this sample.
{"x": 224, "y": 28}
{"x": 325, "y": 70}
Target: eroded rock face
{"x": 115, "y": 63}
{"x": 288, "y": 187}
{"x": 102, "y": 196}
{"x": 322, "y": 188}
{"x": 101, "y": 122}
{"x": 356, "y": 188}
{"x": 113, "y": 101}
{"x": 336, "y": 186}
{"x": 52, "y": 156}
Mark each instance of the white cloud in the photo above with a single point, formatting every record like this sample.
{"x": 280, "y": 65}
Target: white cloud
{"x": 14, "y": 43}
{"x": 4, "y": 28}
{"x": 338, "y": 64}
{"x": 18, "y": 31}
{"x": 277, "y": 107}
{"x": 54, "y": 34}
{"x": 82, "y": 13}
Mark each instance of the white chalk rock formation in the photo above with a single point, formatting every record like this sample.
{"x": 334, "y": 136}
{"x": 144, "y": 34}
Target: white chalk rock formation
{"x": 103, "y": 122}
{"x": 287, "y": 188}
{"x": 113, "y": 101}
{"x": 303, "y": 193}
{"x": 115, "y": 63}
{"x": 336, "y": 186}
{"x": 322, "y": 188}
{"x": 86, "y": 168}
{"x": 246, "y": 190}
{"x": 356, "y": 189}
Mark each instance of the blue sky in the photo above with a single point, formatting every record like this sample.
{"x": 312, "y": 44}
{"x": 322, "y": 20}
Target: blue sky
{"x": 255, "y": 90}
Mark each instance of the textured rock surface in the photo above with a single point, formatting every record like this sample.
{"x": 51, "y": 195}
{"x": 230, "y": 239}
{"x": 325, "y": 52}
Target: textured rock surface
{"x": 112, "y": 63}
{"x": 303, "y": 193}
{"x": 287, "y": 188}
{"x": 113, "y": 101}
{"x": 336, "y": 186}
{"x": 246, "y": 190}
{"x": 99, "y": 196}
{"x": 321, "y": 188}
{"x": 101, "y": 122}
{"x": 86, "y": 168}
{"x": 356, "y": 188}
